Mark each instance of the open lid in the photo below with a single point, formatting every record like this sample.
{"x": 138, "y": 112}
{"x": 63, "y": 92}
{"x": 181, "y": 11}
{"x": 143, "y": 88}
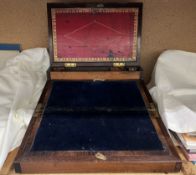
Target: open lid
{"x": 94, "y": 34}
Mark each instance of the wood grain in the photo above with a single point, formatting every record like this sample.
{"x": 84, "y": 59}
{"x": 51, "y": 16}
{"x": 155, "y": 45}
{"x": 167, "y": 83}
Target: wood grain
{"x": 188, "y": 168}
{"x": 8, "y": 170}
{"x": 110, "y": 75}
{"x": 8, "y": 162}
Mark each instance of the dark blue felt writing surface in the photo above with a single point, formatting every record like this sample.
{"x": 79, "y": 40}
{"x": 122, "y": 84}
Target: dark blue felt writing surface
{"x": 94, "y": 130}
{"x": 95, "y": 95}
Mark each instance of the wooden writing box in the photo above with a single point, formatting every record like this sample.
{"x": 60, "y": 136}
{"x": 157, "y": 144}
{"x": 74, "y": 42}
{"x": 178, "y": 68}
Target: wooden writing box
{"x": 95, "y": 113}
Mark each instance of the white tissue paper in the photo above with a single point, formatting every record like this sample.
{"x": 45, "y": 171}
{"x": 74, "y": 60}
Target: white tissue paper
{"x": 174, "y": 90}
{"x": 22, "y": 79}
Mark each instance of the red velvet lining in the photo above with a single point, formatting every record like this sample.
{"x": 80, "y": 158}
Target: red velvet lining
{"x": 87, "y": 36}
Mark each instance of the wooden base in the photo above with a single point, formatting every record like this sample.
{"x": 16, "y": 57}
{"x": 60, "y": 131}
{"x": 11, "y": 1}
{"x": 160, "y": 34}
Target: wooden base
{"x": 89, "y": 167}
{"x": 187, "y": 167}
{"x": 29, "y": 161}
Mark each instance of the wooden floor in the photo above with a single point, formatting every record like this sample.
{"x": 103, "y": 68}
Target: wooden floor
{"x": 187, "y": 169}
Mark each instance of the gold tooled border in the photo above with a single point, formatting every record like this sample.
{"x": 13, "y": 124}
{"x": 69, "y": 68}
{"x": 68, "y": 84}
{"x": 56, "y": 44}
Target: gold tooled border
{"x": 89, "y": 10}
{"x": 134, "y": 50}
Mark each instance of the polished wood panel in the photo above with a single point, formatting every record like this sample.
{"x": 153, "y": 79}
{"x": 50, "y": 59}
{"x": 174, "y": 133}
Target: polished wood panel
{"x": 187, "y": 167}
{"x": 93, "y": 75}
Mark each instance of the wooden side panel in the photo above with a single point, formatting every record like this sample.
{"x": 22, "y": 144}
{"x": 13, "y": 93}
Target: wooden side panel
{"x": 109, "y": 75}
{"x": 100, "y": 167}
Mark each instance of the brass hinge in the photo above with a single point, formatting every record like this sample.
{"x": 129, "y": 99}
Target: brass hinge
{"x": 70, "y": 65}
{"x": 118, "y": 64}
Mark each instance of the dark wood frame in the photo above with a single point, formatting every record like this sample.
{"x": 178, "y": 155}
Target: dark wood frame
{"x": 86, "y": 161}
{"x": 94, "y": 65}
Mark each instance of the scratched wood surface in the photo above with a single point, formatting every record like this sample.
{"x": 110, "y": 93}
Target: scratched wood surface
{"x": 187, "y": 169}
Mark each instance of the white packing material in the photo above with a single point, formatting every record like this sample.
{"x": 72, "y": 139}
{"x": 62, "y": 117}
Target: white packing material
{"x": 174, "y": 90}
{"x": 5, "y": 55}
{"x": 22, "y": 79}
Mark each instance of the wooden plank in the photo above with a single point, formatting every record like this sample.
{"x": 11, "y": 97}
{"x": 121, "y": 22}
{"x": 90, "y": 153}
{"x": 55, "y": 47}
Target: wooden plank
{"x": 88, "y": 167}
{"x": 188, "y": 168}
{"x": 8, "y": 163}
{"x": 110, "y": 75}
{"x": 12, "y": 172}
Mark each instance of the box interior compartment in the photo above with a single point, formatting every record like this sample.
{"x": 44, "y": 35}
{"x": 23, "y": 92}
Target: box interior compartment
{"x": 67, "y": 123}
